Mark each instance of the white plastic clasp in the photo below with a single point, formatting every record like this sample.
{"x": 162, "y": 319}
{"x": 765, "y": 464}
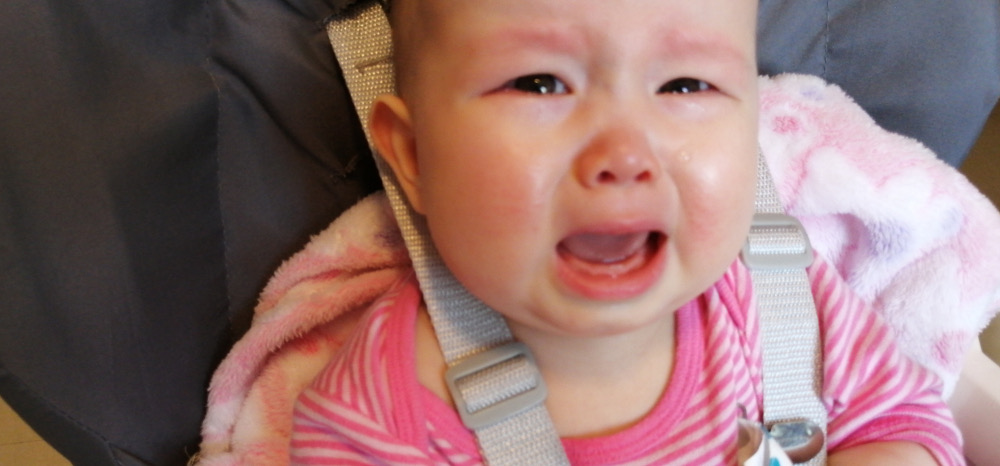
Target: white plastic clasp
{"x": 473, "y": 383}
{"x": 776, "y": 241}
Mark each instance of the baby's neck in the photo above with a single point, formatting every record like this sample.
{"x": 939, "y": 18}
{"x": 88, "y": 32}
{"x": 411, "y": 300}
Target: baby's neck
{"x": 601, "y": 385}
{"x": 597, "y": 386}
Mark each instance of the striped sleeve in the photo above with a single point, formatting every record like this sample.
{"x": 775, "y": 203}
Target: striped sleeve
{"x": 360, "y": 409}
{"x": 873, "y": 392}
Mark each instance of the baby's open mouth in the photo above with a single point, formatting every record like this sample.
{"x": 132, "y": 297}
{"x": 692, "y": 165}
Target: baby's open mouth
{"x": 606, "y": 254}
{"x": 603, "y": 265}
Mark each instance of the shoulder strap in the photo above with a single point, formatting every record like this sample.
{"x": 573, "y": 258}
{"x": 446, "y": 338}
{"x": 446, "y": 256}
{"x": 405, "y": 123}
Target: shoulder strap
{"x": 777, "y": 253}
{"x": 494, "y": 381}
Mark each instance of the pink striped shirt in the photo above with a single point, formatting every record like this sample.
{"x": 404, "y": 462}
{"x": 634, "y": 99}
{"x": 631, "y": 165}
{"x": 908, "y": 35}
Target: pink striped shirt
{"x": 368, "y": 407}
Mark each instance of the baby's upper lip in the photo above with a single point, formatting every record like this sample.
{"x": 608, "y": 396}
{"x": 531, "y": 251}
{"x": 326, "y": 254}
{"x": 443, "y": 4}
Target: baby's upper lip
{"x": 619, "y": 227}
{"x": 616, "y": 215}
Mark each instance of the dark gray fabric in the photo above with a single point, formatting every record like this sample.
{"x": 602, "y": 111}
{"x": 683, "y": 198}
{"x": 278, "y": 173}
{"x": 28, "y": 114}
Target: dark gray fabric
{"x": 159, "y": 158}
{"x": 292, "y": 154}
{"x": 109, "y": 224}
{"x": 929, "y": 70}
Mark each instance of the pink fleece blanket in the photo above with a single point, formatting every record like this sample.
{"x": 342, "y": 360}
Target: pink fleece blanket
{"x": 908, "y": 232}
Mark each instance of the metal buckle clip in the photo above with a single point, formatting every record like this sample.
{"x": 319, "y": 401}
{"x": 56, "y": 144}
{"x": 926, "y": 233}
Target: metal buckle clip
{"x": 489, "y": 365}
{"x": 776, "y": 241}
{"x": 801, "y": 440}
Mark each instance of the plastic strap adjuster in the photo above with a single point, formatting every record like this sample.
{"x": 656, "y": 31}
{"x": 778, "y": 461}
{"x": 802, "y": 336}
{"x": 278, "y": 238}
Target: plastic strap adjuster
{"x": 474, "y": 381}
{"x": 776, "y": 241}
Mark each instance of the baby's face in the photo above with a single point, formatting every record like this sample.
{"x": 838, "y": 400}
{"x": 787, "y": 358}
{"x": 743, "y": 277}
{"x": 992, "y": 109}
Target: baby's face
{"x": 585, "y": 166}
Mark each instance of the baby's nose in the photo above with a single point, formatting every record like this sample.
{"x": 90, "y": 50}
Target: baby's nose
{"x": 618, "y": 157}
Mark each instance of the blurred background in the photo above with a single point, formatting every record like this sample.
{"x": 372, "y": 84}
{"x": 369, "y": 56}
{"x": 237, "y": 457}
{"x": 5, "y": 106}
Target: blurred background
{"x": 983, "y": 169}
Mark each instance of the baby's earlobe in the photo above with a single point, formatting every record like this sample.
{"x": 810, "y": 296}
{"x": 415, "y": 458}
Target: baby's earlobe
{"x": 392, "y": 134}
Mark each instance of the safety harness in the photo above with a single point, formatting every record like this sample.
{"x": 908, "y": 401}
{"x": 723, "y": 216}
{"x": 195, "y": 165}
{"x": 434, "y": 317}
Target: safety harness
{"x": 496, "y": 386}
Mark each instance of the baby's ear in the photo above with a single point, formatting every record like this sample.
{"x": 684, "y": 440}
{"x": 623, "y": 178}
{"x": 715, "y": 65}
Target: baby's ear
{"x": 392, "y": 132}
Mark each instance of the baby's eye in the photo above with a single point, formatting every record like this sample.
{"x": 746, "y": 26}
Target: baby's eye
{"x": 538, "y": 84}
{"x": 685, "y": 86}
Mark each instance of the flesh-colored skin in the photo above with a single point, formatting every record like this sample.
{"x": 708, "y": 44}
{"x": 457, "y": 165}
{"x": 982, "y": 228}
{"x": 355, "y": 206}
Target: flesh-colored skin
{"x": 586, "y": 216}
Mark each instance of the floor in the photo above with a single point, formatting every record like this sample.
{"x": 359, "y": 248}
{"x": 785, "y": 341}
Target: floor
{"x": 20, "y": 446}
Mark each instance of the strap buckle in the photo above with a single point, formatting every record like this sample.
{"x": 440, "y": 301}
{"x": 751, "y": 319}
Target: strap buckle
{"x": 800, "y": 439}
{"x": 776, "y": 241}
{"x": 495, "y": 384}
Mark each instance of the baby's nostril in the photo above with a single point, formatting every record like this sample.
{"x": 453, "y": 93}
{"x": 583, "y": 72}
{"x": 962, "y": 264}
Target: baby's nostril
{"x": 606, "y": 177}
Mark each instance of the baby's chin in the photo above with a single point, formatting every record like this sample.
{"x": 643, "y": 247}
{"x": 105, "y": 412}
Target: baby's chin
{"x": 582, "y": 318}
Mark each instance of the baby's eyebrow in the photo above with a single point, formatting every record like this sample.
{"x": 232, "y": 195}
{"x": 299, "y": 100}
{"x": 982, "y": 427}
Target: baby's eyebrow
{"x": 674, "y": 43}
{"x": 549, "y": 38}
{"x": 702, "y": 44}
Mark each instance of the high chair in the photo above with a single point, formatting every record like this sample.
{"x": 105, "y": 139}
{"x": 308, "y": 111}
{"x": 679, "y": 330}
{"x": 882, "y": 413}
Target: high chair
{"x": 160, "y": 159}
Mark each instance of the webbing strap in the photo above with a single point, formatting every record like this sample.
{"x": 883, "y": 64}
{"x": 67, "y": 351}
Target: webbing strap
{"x": 495, "y": 383}
{"x": 777, "y": 252}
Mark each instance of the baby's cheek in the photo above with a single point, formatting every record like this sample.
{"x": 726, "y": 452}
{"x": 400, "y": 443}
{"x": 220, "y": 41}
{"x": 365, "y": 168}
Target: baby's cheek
{"x": 717, "y": 234}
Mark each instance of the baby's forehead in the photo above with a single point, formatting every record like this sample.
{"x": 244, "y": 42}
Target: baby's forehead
{"x": 437, "y": 27}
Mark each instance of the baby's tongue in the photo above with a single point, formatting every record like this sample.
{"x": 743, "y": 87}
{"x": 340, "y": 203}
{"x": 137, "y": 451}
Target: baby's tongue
{"x": 604, "y": 249}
